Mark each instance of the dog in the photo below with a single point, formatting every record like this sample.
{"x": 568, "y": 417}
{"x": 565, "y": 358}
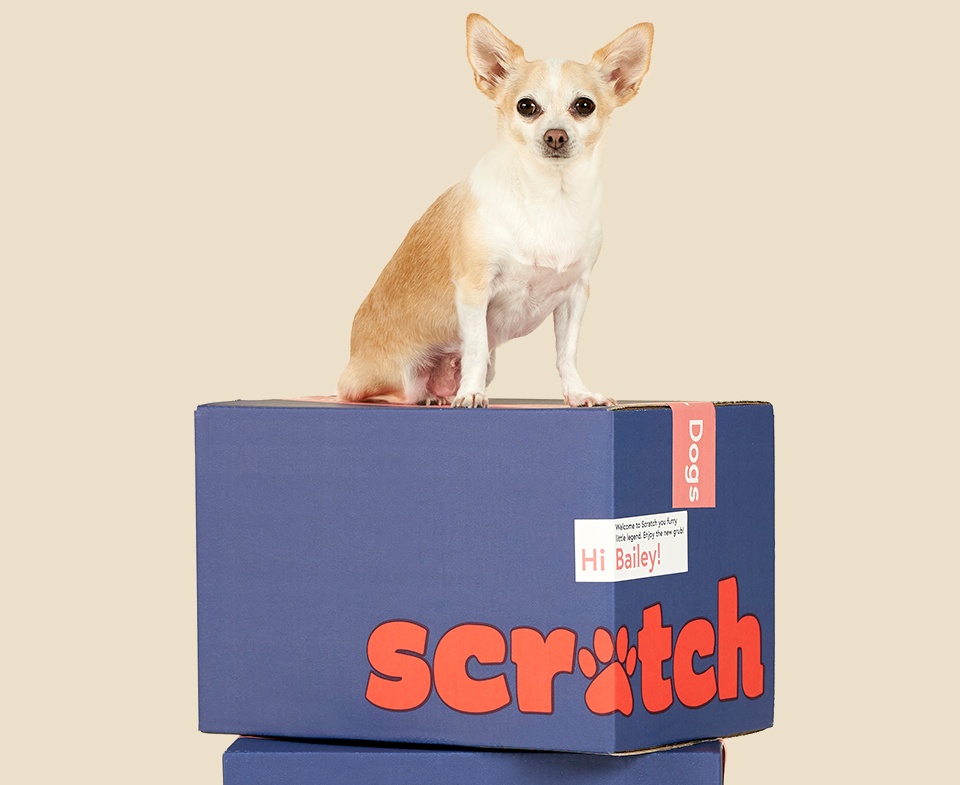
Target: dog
{"x": 516, "y": 241}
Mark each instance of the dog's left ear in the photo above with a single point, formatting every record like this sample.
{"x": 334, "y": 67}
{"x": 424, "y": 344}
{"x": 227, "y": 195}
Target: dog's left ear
{"x": 625, "y": 60}
{"x": 491, "y": 54}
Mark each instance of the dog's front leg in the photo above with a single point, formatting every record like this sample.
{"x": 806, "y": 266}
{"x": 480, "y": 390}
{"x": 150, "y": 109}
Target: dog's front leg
{"x": 566, "y": 324}
{"x": 472, "y": 316}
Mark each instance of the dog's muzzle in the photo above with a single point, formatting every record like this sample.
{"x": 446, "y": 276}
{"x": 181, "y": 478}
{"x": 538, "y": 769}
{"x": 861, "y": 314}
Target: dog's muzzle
{"x": 555, "y": 144}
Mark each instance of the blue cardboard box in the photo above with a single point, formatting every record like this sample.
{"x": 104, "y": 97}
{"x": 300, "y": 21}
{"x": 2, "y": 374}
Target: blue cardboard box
{"x": 535, "y": 577}
{"x": 267, "y": 762}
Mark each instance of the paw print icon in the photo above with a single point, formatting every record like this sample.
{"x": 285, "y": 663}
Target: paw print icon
{"x": 609, "y": 667}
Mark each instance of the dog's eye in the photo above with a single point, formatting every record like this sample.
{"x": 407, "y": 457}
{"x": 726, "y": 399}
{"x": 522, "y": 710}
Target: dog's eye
{"x": 528, "y": 107}
{"x": 584, "y": 106}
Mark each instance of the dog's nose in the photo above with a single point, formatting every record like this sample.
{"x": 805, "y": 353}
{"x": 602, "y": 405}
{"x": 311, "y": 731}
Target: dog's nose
{"x": 555, "y": 138}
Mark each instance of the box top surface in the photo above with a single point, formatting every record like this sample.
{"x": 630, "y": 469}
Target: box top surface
{"x": 250, "y": 745}
{"x": 330, "y": 402}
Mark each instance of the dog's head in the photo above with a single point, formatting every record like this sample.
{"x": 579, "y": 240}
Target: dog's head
{"x": 556, "y": 109}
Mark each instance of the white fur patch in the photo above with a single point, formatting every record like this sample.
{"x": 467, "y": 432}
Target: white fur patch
{"x": 541, "y": 225}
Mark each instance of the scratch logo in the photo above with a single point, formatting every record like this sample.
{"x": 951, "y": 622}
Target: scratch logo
{"x": 403, "y": 676}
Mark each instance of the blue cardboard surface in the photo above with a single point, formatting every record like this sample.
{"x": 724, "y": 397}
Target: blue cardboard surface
{"x": 267, "y": 762}
{"x": 407, "y": 574}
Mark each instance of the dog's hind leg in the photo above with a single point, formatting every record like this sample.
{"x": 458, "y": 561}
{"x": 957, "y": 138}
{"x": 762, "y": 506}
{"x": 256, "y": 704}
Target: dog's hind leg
{"x": 443, "y": 380}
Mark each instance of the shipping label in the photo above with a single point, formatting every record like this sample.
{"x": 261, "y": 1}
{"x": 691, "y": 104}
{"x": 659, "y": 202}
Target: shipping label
{"x": 627, "y": 549}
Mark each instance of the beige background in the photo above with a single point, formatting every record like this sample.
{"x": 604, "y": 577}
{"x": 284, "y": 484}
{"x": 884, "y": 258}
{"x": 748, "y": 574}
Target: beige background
{"x": 196, "y": 196}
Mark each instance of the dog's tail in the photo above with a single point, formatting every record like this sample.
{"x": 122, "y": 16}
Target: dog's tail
{"x": 365, "y": 381}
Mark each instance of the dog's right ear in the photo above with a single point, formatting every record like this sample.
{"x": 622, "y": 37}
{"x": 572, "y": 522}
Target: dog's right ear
{"x": 491, "y": 54}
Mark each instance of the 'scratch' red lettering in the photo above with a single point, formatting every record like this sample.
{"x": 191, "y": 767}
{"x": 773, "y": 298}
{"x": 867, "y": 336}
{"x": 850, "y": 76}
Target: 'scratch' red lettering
{"x": 737, "y": 635}
{"x": 400, "y": 679}
{"x": 455, "y": 686}
{"x": 469, "y": 671}
{"x": 539, "y": 660}
{"x": 694, "y": 689}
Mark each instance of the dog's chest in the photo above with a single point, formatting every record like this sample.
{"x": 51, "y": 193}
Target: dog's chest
{"x": 522, "y": 296}
{"x": 539, "y": 253}
{"x": 541, "y": 237}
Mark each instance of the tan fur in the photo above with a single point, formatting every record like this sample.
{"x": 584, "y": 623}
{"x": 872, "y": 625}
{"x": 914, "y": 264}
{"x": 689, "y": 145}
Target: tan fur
{"x": 625, "y": 81}
{"x": 416, "y": 290}
{"x": 510, "y": 52}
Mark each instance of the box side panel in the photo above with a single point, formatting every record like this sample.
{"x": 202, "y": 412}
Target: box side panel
{"x": 316, "y": 527}
{"x": 704, "y": 636}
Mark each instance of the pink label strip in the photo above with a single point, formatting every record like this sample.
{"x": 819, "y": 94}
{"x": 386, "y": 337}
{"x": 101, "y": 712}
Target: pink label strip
{"x": 694, "y": 454}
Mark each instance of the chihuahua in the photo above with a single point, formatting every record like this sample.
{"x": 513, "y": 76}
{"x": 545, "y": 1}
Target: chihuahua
{"x": 513, "y": 243}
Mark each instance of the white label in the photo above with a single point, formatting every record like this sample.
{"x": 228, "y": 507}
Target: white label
{"x": 625, "y": 549}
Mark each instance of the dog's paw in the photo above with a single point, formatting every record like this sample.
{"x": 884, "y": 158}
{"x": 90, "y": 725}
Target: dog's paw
{"x": 435, "y": 401}
{"x": 578, "y": 399}
{"x": 470, "y": 400}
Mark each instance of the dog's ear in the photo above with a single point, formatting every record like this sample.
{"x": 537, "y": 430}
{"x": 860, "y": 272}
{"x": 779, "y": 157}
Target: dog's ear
{"x": 625, "y": 60}
{"x": 491, "y": 54}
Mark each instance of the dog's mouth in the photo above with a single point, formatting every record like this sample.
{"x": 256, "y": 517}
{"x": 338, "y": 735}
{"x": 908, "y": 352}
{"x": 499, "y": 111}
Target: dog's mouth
{"x": 548, "y": 152}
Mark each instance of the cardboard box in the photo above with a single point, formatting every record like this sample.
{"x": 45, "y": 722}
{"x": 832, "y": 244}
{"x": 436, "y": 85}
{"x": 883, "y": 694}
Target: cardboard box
{"x": 267, "y": 762}
{"x": 528, "y": 577}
